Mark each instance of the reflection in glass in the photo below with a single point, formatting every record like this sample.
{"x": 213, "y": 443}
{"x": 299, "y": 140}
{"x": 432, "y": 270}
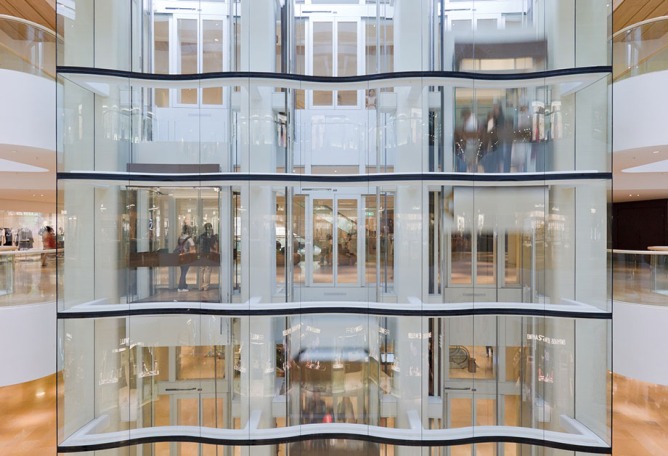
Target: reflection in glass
{"x": 347, "y": 49}
{"x": 323, "y": 59}
{"x": 323, "y": 49}
{"x": 281, "y": 239}
{"x": 212, "y": 58}
{"x": 300, "y": 242}
{"x": 323, "y": 238}
{"x": 172, "y": 231}
{"x": 485, "y": 257}
{"x": 187, "y": 49}
{"x": 346, "y": 239}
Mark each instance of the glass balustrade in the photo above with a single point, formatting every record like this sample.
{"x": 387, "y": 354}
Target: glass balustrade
{"x": 27, "y": 47}
{"x": 641, "y": 48}
{"x": 28, "y": 277}
{"x": 640, "y": 276}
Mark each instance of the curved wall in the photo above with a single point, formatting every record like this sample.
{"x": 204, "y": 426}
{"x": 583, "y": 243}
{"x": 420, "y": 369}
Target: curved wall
{"x": 639, "y": 352}
{"x": 635, "y": 128}
{"x": 27, "y": 112}
{"x": 28, "y": 338}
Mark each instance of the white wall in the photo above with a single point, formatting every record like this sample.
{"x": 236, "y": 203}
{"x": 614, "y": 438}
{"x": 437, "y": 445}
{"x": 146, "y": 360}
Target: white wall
{"x": 640, "y": 111}
{"x": 639, "y": 350}
{"x": 27, "y": 112}
{"x": 28, "y": 338}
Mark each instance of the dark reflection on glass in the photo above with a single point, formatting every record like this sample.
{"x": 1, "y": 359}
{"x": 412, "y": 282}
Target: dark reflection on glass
{"x": 173, "y": 245}
{"x": 509, "y": 130}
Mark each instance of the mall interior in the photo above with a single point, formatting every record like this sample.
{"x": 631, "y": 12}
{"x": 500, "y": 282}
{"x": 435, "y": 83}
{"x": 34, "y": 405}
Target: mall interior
{"x": 327, "y": 227}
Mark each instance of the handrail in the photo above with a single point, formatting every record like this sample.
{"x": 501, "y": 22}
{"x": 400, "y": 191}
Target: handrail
{"x": 28, "y": 252}
{"x": 636, "y": 55}
{"x": 25, "y": 62}
{"x": 32, "y": 24}
{"x": 638, "y": 24}
{"x": 640, "y": 276}
{"x": 639, "y": 252}
{"x": 23, "y": 281}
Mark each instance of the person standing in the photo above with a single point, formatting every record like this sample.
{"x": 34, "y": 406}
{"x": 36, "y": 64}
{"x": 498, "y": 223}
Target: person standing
{"x": 48, "y": 242}
{"x": 206, "y": 244}
{"x": 185, "y": 245}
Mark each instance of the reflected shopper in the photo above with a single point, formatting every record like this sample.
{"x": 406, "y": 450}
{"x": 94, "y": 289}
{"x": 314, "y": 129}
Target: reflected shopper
{"x": 206, "y": 244}
{"x": 48, "y": 242}
{"x": 185, "y": 245}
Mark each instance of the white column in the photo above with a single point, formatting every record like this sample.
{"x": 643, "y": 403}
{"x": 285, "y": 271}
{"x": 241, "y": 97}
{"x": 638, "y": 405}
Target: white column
{"x": 411, "y": 52}
{"x": 258, "y": 23}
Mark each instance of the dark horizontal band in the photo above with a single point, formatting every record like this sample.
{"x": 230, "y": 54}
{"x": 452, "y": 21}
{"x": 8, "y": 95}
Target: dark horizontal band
{"x": 330, "y": 178}
{"x": 338, "y": 310}
{"x": 342, "y": 436}
{"x": 601, "y": 69}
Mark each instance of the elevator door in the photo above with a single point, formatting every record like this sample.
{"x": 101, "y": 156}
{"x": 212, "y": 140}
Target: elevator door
{"x": 334, "y": 236}
{"x": 482, "y": 241}
{"x": 192, "y": 387}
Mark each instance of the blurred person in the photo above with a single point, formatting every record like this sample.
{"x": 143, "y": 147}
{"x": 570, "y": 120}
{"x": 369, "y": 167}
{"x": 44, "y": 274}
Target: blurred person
{"x": 185, "y": 245}
{"x": 490, "y": 142}
{"x": 521, "y": 149}
{"x": 504, "y": 138}
{"x": 468, "y": 142}
{"x": 207, "y": 243}
{"x": 370, "y": 101}
{"x": 48, "y": 242}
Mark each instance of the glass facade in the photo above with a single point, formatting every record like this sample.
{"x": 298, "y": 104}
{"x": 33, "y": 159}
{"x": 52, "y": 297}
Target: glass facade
{"x": 317, "y": 227}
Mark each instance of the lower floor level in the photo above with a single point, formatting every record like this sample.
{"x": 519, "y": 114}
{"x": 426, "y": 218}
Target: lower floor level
{"x": 640, "y": 419}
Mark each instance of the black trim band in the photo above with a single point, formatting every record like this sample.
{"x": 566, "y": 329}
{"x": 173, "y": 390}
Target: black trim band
{"x": 600, "y": 69}
{"x": 343, "y": 436}
{"x": 317, "y": 178}
{"x": 245, "y": 312}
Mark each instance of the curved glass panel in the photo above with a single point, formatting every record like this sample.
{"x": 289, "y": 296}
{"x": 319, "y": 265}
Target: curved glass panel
{"x": 335, "y": 226}
{"x": 640, "y": 49}
{"x": 362, "y": 375}
{"x": 27, "y": 47}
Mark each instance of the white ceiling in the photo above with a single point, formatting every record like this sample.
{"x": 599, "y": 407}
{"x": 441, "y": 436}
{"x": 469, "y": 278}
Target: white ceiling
{"x": 34, "y": 187}
{"x": 636, "y": 186}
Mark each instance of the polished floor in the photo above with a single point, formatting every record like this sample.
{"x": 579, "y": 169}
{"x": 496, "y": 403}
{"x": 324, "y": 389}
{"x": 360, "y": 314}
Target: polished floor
{"x": 28, "y": 417}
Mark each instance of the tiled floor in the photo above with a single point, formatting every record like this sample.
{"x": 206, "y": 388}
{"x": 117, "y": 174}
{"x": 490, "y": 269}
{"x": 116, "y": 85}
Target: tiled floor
{"x": 28, "y": 418}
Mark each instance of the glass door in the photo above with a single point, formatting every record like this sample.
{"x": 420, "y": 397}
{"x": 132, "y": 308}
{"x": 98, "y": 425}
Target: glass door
{"x": 336, "y": 46}
{"x": 334, "y": 260}
{"x": 177, "y": 236}
{"x": 184, "y": 386}
{"x": 477, "y": 243}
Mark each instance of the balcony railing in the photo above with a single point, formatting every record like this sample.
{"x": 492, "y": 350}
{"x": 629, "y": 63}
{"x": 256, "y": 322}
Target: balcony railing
{"x": 641, "y": 48}
{"x": 28, "y": 276}
{"x": 27, "y": 47}
{"x": 640, "y": 276}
